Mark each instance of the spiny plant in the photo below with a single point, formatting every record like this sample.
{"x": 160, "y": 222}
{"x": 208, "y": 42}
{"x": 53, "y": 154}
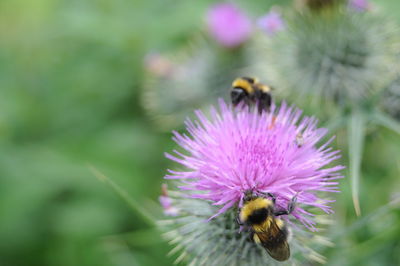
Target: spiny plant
{"x": 339, "y": 59}
{"x": 235, "y": 150}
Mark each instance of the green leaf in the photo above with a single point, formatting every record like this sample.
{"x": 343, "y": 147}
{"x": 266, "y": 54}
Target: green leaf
{"x": 371, "y": 218}
{"x": 148, "y": 237}
{"x": 146, "y": 217}
{"x": 356, "y": 125}
{"x": 386, "y": 121}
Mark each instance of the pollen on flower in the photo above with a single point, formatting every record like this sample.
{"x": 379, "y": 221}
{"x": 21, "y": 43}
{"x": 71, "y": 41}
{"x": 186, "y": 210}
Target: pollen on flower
{"x": 237, "y": 149}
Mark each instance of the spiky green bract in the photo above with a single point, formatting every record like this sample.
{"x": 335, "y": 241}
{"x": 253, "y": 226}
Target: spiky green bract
{"x": 218, "y": 242}
{"x": 198, "y": 74}
{"x": 391, "y": 99}
{"x": 341, "y": 56}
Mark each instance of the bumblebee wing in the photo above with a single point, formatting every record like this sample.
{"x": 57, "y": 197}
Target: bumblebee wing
{"x": 279, "y": 252}
{"x": 275, "y": 242}
{"x": 264, "y": 102}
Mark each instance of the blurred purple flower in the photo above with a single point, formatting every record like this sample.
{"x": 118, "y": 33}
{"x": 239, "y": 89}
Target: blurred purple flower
{"x": 228, "y": 24}
{"x": 271, "y": 23}
{"x": 166, "y": 203}
{"x": 359, "y": 5}
{"x": 238, "y": 150}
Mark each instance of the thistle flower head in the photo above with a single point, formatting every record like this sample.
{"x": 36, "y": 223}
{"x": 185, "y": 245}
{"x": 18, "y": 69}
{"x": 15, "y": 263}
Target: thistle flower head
{"x": 228, "y": 24}
{"x": 340, "y": 56}
{"x": 271, "y": 23}
{"x": 237, "y": 150}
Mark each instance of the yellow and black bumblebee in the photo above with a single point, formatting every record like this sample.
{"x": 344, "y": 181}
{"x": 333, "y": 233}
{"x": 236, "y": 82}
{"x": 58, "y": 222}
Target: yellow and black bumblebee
{"x": 260, "y": 216}
{"x": 251, "y": 91}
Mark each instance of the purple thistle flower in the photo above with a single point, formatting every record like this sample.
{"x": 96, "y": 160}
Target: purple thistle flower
{"x": 239, "y": 150}
{"x": 359, "y": 5}
{"x": 271, "y": 23}
{"x": 228, "y": 24}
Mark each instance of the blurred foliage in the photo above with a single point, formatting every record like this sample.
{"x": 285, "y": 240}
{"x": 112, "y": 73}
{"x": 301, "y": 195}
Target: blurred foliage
{"x": 71, "y": 81}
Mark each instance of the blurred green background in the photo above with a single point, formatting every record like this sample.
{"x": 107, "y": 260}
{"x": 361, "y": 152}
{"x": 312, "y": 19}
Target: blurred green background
{"x": 71, "y": 76}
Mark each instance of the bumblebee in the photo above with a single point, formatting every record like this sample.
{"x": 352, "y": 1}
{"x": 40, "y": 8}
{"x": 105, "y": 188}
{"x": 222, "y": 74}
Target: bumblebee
{"x": 251, "y": 91}
{"x": 260, "y": 216}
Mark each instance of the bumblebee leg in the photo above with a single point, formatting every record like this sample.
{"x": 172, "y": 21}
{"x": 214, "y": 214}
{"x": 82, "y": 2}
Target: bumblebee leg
{"x": 242, "y": 226}
{"x": 248, "y": 103}
{"x": 264, "y": 102}
{"x": 237, "y": 95}
{"x": 255, "y": 238}
{"x": 239, "y": 222}
{"x": 290, "y": 208}
{"x": 267, "y": 194}
{"x": 292, "y": 204}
